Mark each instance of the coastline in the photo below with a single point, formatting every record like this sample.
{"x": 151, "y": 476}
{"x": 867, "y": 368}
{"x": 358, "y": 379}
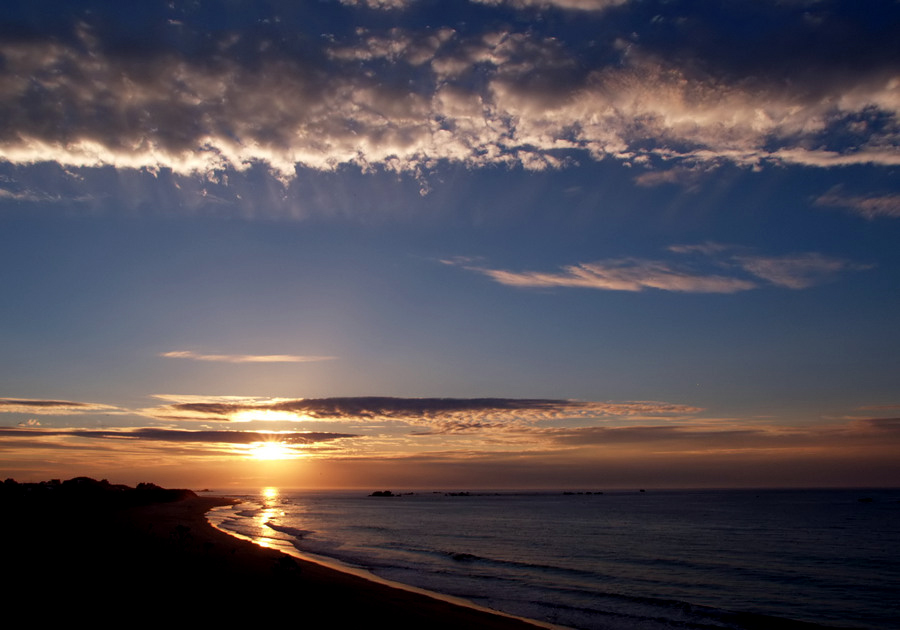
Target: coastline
{"x": 369, "y": 578}
{"x": 164, "y": 558}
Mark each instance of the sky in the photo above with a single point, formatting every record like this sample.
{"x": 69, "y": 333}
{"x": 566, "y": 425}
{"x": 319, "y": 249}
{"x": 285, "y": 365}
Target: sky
{"x": 571, "y": 244}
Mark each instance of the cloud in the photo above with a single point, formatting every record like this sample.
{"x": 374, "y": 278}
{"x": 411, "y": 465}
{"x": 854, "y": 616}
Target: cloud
{"x": 577, "y": 5}
{"x": 379, "y": 4}
{"x": 879, "y": 407}
{"x": 244, "y": 358}
{"x": 28, "y": 196}
{"x": 629, "y": 274}
{"x": 881, "y": 432}
{"x": 52, "y": 407}
{"x": 445, "y": 414}
{"x": 396, "y": 45}
{"x": 407, "y": 100}
{"x": 871, "y": 207}
{"x": 887, "y": 156}
{"x": 174, "y": 435}
{"x": 688, "y": 178}
{"x": 708, "y": 248}
{"x": 798, "y": 271}
{"x": 683, "y": 437}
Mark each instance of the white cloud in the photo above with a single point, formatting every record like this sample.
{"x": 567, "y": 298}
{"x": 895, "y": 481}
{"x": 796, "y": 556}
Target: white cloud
{"x": 396, "y": 45}
{"x": 497, "y": 98}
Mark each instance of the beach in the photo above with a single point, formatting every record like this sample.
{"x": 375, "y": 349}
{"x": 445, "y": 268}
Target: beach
{"x": 164, "y": 562}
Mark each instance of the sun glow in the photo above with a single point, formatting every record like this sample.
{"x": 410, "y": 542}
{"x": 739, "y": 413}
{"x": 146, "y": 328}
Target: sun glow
{"x": 272, "y": 451}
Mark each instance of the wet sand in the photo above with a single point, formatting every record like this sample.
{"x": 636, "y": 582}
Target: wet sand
{"x": 165, "y": 563}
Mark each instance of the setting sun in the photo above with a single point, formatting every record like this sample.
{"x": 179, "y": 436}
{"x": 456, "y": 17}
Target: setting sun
{"x": 272, "y": 451}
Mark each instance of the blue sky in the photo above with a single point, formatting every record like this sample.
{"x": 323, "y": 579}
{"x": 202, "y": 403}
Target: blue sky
{"x": 548, "y": 243}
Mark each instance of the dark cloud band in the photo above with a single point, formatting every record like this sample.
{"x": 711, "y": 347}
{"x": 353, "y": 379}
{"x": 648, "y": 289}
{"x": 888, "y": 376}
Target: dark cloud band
{"x": 171, "y": 435}
{"x": 444, "y": 413}
{"x": 51, "y": 407}
{"x": 40, "y": 404}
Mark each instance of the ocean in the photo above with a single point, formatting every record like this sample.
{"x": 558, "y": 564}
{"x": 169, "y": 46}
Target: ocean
{"x": 614, "y": 560}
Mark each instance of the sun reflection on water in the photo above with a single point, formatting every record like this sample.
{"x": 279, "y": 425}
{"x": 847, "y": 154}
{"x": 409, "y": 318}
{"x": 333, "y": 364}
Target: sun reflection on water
{"x": 270, "y": 510}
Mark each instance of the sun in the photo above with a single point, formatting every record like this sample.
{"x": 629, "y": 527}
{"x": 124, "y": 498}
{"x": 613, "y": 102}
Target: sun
{"x": 271, "y": 451}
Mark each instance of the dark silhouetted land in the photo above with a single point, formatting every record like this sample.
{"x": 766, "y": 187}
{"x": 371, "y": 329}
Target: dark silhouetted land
{"x": 89, "y": 550}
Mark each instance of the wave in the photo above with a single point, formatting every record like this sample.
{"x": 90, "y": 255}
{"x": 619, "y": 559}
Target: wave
{"x": 468, "y": 557}
{"x": 247, "y": 513}
{"x": 462, "y": 557}
{"x": 290, "y": 531}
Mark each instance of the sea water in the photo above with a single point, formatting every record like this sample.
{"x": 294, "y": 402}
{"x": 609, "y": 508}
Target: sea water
{"x": 616, "y": 560}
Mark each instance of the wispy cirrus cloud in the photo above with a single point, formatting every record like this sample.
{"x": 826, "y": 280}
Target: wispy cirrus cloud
{"x": 245, "y": 358}
{"x": 688, "y": 178}
{"x": 53, "y": 407}
{"x": 628, "y": 274}
{"x": 869, "y": 207}
{"x": 742, "y": 272}
{"x": 798, "y": 271}
{"x": 36, "y": 196}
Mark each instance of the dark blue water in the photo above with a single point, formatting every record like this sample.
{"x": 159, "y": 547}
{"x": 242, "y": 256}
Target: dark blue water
{"x": 668, "y": 559}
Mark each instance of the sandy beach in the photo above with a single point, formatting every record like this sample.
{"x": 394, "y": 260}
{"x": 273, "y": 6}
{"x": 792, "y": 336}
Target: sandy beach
{"x": 164, "y": 562}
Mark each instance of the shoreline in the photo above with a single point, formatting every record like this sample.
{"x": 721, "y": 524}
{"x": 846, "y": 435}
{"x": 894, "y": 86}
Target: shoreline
{"x": 400, "y": 605}
{"x": 165, "y": 560}
{"x": 335, "y": 565}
